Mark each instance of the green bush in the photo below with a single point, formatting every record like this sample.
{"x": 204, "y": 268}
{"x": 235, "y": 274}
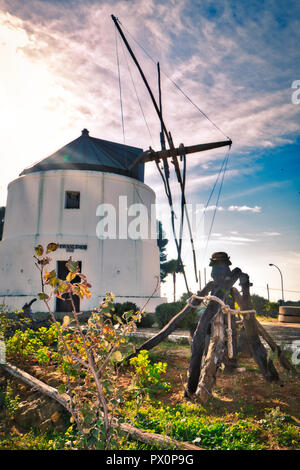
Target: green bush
{"x": 34, "y": 345}
{"x": 121, "y": 308}
{"x": 271, "y": 309}
{"x": 147, "y": 319}
{"x": 164, "y": 313}
{"x": 146, "y": 376}
{"x": 259, "y": 303}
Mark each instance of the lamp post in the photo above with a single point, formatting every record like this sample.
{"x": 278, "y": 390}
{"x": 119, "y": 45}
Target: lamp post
{"x": 271, "y": 264}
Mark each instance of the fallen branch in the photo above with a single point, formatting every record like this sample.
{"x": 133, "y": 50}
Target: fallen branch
{"x": 172, "y": 325}
{"x": 51, "y": 392}
{"x": 64, "y": 400}
{"x": 284, "y": 361}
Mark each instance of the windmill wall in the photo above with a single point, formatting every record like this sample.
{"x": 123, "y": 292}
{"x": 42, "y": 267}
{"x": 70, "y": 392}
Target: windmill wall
{"x": 36, "y": 214}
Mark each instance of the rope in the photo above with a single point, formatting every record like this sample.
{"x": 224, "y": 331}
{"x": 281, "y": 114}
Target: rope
{"x": 165, "y": 179}
{"x": 136, "y": 94}
{"x": 175, "y": 84}
{"x": 227, "y": 310}
{"x": 224, "y": 307}
{"x": 217, "y": 202}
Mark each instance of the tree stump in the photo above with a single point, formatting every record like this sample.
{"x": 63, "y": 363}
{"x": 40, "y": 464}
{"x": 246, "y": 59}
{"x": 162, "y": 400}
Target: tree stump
{"x": 214, "y": 358}
{"x": 257, "y": 349}
{"x": 198, "y": 344}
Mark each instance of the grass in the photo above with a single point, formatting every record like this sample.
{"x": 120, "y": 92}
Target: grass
{"x": 246, "y": 413}
{"x": 193, "y": 423}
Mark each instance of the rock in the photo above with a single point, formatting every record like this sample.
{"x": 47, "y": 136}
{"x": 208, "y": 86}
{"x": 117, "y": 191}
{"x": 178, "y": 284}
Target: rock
{"x": 55, "y": 417}
{"x": 29, "y": 417}
{"x": 46, "y": 425}
{"x": 41, "y": 413}
{"x": 58, "y": 421}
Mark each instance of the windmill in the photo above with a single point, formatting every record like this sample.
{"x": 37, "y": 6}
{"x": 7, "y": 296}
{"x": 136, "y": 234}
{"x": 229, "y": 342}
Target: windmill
{"x": 220, "y": 321}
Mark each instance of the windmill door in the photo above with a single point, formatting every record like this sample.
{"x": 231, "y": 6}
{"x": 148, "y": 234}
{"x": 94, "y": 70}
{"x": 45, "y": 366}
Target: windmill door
{"x": 66, "y": 305}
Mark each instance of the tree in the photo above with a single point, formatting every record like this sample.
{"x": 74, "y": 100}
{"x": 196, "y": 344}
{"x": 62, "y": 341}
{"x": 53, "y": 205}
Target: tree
{"x": 271, "y": 309}
{"x": 2, "y": 215}
{"x": 166, "y": 267}
{"x": 259, "y": 303}
{"x": 171, "y": 267}
{"x": 162, "y": 243}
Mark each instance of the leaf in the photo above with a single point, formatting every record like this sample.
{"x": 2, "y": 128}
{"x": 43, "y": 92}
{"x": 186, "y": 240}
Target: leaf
{"x": 39, "y": 250}
{"x": 72, "y": 266}
{"x": 43, "y": 296}
{"x": 51, "y": 247}
{"x": 70, "y": 276}
{"x": 53, "y": 281}
{"x": 62, "y": 287}
{"x": 117, "y": 356}
{"x": 61, "y": 389}
{"x": 66, "y": 320}
{"x": 49, "y": 275}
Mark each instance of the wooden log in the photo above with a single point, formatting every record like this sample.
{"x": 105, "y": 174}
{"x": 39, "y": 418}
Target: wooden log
{"x": 198, "y": 343}
{"x": 284, "y": 361}
{"x": 213, "y": 359}
{"x": 37, "y": 384}
{"x": 197, "y": 348}
{"x": 156, "y": 439}
{"x": 64, "y": 400}
{"x": 242, "y": 343}
{"x": 173, "y": 323}
{"x": 258, "y": 350}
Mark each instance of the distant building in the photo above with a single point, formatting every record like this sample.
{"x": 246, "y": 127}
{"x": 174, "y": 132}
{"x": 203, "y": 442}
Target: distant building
{"x": 56, "y": 200}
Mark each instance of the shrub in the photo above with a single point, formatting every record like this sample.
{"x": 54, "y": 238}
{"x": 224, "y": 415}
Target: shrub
{"x": 147, "y": 319}
{"x": 11, "y": 320}
{"x": 34, "y": 345}
{"x": 11, "y": 401}
{"x": 147, "y": 376}
{"x": 121, "y": 308}
{"x": 258, "y": 303}
{"x": 164, "y": 313}
{"x": 271, "y": 309}
{"x": 90, "y": 356}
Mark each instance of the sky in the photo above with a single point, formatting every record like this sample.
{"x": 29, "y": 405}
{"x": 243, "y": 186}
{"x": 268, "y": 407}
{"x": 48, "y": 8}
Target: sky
{"x": 236, "y": 60}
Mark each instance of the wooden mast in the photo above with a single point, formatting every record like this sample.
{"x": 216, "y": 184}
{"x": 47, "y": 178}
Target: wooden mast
{"x": 173, "y": 152}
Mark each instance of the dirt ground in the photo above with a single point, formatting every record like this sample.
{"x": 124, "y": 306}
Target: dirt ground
{"x": 244, "y": 390}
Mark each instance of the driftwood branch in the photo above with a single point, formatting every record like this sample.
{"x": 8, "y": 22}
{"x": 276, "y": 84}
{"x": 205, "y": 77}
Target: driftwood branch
{"x": 173, "y": 323}
{"x": 213, "y": 358}
{"x": 258, "y": 350}
{"x": 198, "y": 343}
{"x": 284, "y": 361}
{"x": 37, "y": 384}
{"x": 156, "y": 439}
{"x": 64, "y": 400}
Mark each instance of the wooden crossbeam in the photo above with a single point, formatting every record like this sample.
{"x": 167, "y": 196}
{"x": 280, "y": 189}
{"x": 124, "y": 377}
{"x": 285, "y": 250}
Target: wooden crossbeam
{"x": 151, "y": 155}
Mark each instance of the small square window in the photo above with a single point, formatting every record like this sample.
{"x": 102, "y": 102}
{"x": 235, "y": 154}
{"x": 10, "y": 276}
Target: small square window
{"x": 72, "y": 200}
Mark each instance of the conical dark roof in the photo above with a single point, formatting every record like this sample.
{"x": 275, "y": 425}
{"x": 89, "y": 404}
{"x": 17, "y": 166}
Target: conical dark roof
{"x": 89, "y": 153}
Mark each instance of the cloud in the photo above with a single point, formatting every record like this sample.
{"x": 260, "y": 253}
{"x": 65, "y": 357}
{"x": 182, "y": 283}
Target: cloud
{"x": 232, "y": 240}
{"x": 271, "y": 234}
{"x": 255, "y": 189}
{"x": 254, "y": 209}
{"x": 212, "y": 62}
